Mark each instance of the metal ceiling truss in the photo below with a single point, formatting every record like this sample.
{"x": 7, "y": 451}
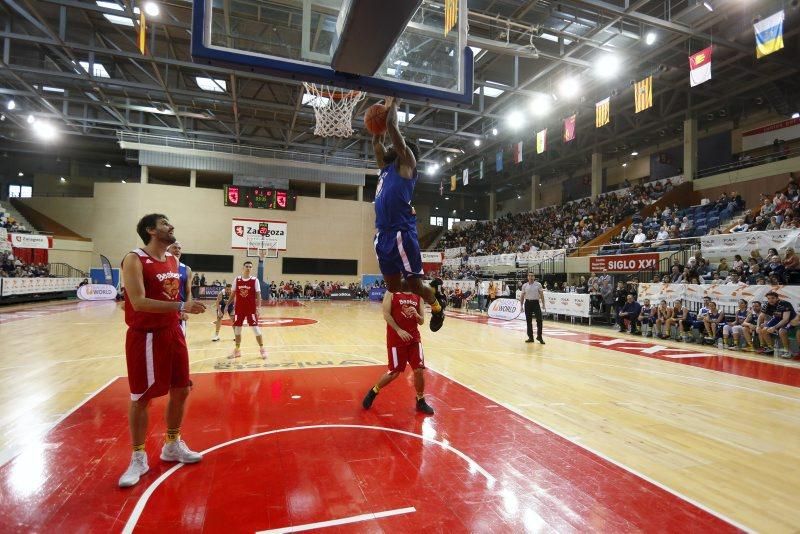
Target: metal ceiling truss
{"x": 525, "y": 47}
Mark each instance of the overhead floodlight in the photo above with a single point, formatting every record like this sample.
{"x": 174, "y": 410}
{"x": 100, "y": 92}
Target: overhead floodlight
{"x": 607, "y": 65}
{"x": 124, "y": 182}
{"x": 447, "y": 198}
{"x": 624, "y": 164}
{"x": 31, "y": 119}
{"x": 708, "y": 6}
{"x": 20, "y": 174}
{"x": 796, "y": 115}
{"x": 568, "y": 87}
{"x": 541, "y": 105}
{"x": 11, "y": 105}
{"x": 45, "y": 130}
{"x": 515, "y": 120}
{"x": 650, "y": 38}
{"x": 448, "y": 159}
{"x": 634, "y": 153}
{"x": 494, "y": 131}
{"x": 152, "y": 9}
{"x": 423, "y": 140}
{"x": 477, "y": 142}
{"x": 62, "y": 179}
{"x": 108, "y": 165}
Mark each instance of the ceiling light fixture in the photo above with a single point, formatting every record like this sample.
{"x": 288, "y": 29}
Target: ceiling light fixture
{"x": 477, "y": 142}
{"x": 607, "y": 66}
{"x": 796, "y": 115}
{"x": 634, "y": 153}
{"x": 152, "y": 9}
{"x": 708, "y": 6}
{"x": 650, "y": 38}
{"x": 494, "y": 131}
{"x": 540, "y": 105}
{"x": 568, "y": 87}
{"x": 108, "y": 165}
{"x": 11, "y": 105}
{"x": 448, "y": 159}
{"x": 45, "y": 130}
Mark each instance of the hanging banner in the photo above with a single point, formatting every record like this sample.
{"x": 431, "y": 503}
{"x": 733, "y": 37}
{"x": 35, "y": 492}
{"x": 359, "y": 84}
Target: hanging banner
{"x": 624, "y": 263}
{"x": 31, "y": 241}
{"x": 108, "y": 273}
{"x": 538, "y": 256}
{"x": 725, "y": 245}
{"x": 242, "y": 229}
{"x": 766, "y": 135}
{"x": 431, "y": 256}
{"x": 454, "y": 252}
{"x": 465, "y": 177}
{"x": 33, "y": 286}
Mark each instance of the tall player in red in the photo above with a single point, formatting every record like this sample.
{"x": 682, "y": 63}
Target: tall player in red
{"x": 247, "y": 305}
{"x": 155, "y": 347}
{"x": 404, "y": 314}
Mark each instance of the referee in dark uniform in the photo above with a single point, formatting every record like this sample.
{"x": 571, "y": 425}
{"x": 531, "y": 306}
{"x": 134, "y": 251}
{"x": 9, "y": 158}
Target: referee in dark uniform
{"x": 530, "y": 297}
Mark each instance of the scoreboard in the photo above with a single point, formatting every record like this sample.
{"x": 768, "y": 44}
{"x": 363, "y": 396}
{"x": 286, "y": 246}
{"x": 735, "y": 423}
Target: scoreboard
{"x": 260, "y": 197}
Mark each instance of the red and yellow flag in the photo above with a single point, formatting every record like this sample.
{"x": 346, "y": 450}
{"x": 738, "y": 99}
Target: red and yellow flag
{"x": 643, "y": 94}
{"x": 602, "y": 112}
{"x": 142, "y": 37}
{"x": 450, "y": 15}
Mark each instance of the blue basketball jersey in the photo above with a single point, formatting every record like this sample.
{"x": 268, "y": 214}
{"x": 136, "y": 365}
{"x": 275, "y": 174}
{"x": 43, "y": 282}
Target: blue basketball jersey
{"x": 393, "y": 201}
{"x": 183, "y": 270}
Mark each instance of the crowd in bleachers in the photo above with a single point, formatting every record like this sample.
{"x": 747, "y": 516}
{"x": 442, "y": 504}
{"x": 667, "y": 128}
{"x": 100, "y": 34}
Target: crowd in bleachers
{"x": 8, "y": 222}
{"x": 12, "y": 267}
{"x": 779, "y": 212}
{"x": 318, "y": 289}
{"x": 554, "y": 227}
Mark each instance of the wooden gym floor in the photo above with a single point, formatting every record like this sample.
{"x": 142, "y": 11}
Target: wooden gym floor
{"x": 592, "y": 431}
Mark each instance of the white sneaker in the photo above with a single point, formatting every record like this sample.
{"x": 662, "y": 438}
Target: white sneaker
{"x": 263, "y": 352}
{"x": 136, "y": 469}
{"x": 235, "y": 354}
{"x": 215, "y": 338}
{"x": 177, "y": 451}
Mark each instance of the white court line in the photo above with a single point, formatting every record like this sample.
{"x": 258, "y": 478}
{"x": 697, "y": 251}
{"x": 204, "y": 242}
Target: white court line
{"x": 10, "y": 453}
{"x": 597, "y": 453}
{"x": 336, "y": 522}
{"x": 145, "y": 496}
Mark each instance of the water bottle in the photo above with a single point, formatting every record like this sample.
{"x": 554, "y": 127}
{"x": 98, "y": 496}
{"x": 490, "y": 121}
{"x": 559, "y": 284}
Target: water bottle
{"x": 720, "y": 344}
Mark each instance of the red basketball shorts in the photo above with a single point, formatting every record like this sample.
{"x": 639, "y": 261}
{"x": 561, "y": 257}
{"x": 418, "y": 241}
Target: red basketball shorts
{"x": 239, "y": 318}
{"x": 157, "y": 361}
{"x": 412, "y": 355}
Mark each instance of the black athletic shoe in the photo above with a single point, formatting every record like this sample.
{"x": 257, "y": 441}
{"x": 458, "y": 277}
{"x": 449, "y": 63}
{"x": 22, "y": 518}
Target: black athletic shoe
{"x": 437, "y": 319}
{"x": 367, "y": 402}
{"x": 529, "y": 340}
{"x": 540, "y": 340}
{"x": 423, "y": 407}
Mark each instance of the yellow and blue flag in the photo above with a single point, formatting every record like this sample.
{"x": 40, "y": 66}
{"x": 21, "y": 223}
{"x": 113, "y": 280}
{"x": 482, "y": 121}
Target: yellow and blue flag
{"x": 769, "y": 34}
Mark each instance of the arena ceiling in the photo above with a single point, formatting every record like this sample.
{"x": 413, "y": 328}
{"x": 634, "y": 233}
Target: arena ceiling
{"x": 523, "y": 50}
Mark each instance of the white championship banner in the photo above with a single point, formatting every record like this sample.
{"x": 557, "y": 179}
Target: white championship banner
{"x": 453, "y": 263}
{"x": 489, "y": 261}
{"x": 538, "y": 256}
{"x": 572, "y": 304}
{"x": 454, "y": 252}
{"x": 31, "y": 286}
{"x": 725, "y": 295}
{"x": 3, "y": 234}
{"x": 506, "y": 309}
{"x": 5, "y": 246}
{"x": 242, "y": 229}
{"x": 726, "y": 245}
{"x": 97, "y": 292}
{"x": 31, "y": 241}
{"x": 431, "y": 256}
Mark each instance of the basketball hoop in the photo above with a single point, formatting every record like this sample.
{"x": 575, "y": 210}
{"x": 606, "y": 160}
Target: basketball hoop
{"x": 262, "y": 247}
{"x": 333, "y": 109}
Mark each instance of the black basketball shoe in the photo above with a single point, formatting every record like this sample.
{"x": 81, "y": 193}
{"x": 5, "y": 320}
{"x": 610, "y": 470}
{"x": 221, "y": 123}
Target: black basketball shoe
{"x": 437, "y": 319}
{"x": 424, "y": 407}
{"x": 367, "y": 402}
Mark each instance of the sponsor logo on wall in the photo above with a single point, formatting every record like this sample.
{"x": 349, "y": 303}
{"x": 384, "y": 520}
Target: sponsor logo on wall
{"x": 97, "y": 292}
{"x": 506, "y": 309}
{"x": 624, "y": 263}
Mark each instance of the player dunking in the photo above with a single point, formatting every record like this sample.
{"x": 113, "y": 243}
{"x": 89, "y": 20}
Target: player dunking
{"x": 155, "y": 347}
{"x": 224, "y": 305}
{"x": 396, "y": 243}
{"x": 403, "y": 313}
{"x": 247, "y": 305}
{"x": 186, "y": 278}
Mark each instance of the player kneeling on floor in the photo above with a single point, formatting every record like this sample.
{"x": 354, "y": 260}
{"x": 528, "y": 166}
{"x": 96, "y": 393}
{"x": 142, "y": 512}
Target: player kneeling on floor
{"x": 404, "y": 314}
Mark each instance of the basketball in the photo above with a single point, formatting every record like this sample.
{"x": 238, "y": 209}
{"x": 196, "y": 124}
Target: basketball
{"x": 375, "y": 119}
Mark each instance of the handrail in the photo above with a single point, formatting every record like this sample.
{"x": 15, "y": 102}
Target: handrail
{"x": 749, "y": 162}
{"x": 240, "y": 150}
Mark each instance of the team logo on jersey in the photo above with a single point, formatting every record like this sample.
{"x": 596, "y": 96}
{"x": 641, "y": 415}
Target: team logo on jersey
{"x": 408, "y": 311}
{"x": 170, "y": 287}
{"x": 244, "y": 291}
{"x": 239, "y": 230}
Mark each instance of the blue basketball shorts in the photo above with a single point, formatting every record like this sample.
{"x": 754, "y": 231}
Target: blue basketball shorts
{"x": 398, "y": 253}
{"x": 774, "y": 322}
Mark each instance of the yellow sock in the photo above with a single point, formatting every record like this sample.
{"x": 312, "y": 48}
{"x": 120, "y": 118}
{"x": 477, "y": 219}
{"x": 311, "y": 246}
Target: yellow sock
{"x": 138, "y": 448}
{"x": 376, "y": 388}
{"x": 420, "y": 396}
{"x": 436, "y": 307}
{"x": 173, "y": 434}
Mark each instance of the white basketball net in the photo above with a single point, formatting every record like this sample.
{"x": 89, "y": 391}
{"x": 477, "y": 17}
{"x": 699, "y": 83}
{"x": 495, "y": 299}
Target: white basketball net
{"x": 333, "y": 109}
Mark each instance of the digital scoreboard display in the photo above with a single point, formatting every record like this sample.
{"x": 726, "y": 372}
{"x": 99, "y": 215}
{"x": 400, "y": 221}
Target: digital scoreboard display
{"x": 260, "y": 197}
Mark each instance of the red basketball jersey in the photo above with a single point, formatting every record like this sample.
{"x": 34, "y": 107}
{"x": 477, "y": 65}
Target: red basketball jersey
{"x": 403, "y": 307}
{"x": 162, "y": 281}
{"x": 245, "y": 295}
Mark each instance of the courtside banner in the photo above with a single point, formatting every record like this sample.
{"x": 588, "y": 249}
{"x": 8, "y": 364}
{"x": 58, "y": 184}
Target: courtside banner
{"x": 725, "y": 295}
{"x": 506, "y": 309}
{"x": 31, "y": 241}
{"x": 726, "y": 245}
{"x": 572, "y": 304}
{"x": 538, "y": 256}
{"x": 97, "y": 292}
{"x": 454, "y": 252}
{"x": 33, "y": 286}
{"x": 623, "y": 263}
{"x": 5, "y": 246}
{"x": 210, "y": 292}
{"x": 241, "y": 229}
{"x": 431, "y": 257}
{"x": 3, "y": 234}
{"x": 376, "y": 293}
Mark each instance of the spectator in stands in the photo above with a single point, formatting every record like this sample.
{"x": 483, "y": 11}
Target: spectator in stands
{"x": 789, "y": 222}
{"x": 639, "y": 238}
{"x": 738, "y": 263}
{"x": 791, "y": 262}
{"x": 676, "y": 276}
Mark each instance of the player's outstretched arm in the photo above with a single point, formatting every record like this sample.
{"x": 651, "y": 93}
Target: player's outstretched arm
{"x": 380, "y": 150}
{"x": 387, "y": 316}
{"x": 134, "y": 287}
{"x": 404, "y": 156}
